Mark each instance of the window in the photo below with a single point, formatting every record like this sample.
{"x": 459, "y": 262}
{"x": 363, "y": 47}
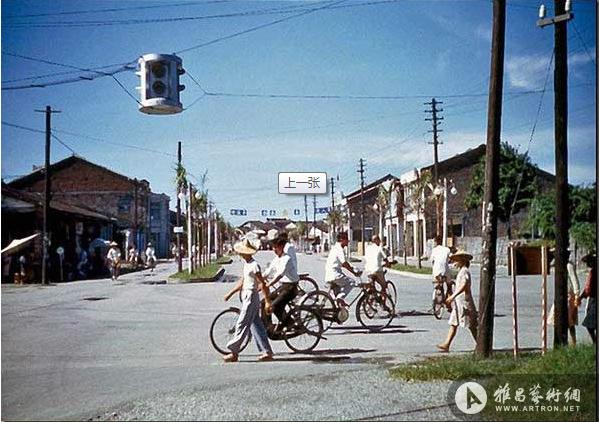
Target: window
{"x": 155, "y": 211}
{"x": 124, "y": 204}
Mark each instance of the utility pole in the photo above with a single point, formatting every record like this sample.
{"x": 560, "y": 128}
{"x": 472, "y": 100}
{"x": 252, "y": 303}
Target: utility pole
{"x": 333, "y": 209}
{"x": 209, "y": 229}
{"x": 179, "y": 257}
{"x": 135, "y": 218}
{"x": 306, "y": 216}
{"x": 189, "y": 228}
{"x": 314, "y": 217}
{"x": 562, "y": 223}
{"x": 484, "y": 341}
{"x": 47, "y": 189}
{"x": 436, "y": 121}
{"x": 363, "y": 235}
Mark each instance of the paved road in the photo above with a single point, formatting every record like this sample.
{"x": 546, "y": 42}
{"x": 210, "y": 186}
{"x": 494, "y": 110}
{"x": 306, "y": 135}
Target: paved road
{"x": 138, "y": 350}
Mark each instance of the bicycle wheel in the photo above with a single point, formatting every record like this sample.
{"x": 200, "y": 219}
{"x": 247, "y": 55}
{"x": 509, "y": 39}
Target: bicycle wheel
{"x": 304, "y": 286}
{"x": 323, "y": 304}
{"x": 375, "y": 311}
{"x": 305, "y": 331}
{"x": 438, "y": 305}
{"x": 392, "y": 292}
{"x": 222, "y": 330}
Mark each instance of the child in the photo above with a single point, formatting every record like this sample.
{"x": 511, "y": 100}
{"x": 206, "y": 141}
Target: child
{"x": 249, "y": 318}
{"x": 463, "y": 312}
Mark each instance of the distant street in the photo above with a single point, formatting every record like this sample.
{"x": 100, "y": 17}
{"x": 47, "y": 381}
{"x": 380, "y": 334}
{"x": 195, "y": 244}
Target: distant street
{"x": 138, "y": 349}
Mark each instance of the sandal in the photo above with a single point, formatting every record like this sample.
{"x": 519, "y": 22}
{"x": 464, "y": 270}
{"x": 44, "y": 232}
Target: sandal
{"x": 231, "y": 358}
{"x": 265, "y": 357}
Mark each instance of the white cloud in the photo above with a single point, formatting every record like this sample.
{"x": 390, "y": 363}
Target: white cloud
{"x": 529, "y": 71}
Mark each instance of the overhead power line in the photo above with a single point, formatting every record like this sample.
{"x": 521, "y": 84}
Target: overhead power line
{"x": 256, "y": 28}
{"x": 249, "y": 13}
{"x": 92, "y": 138}
{"x": 120, "y": 9}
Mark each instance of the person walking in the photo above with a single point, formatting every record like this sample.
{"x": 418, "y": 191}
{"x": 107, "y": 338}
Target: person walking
{"x": 590, "y": 293}
{"x": 463, "y": 312}
{"x": 114, "y": 260}
{"x": 573, "y": 301}
{"x": 150, "y": 257}
{"x": 249, "y": 317}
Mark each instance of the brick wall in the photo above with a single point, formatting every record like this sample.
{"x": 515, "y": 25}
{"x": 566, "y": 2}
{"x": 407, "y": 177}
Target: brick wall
{"x": 90, "y": 186}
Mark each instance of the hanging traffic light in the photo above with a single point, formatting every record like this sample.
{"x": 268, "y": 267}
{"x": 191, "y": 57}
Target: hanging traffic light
{"x": 159, "y": 83}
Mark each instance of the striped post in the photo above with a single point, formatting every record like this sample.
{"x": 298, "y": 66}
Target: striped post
{"x": 514, "y": 302}
{"x": 544, "y": 300}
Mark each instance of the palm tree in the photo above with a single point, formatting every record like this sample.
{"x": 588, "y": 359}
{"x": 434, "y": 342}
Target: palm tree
{"x": 383, "y": 200}
{"x": 336, "y": 218}
{"x": 418, "y": 201}
{"x": 300, "y": 230}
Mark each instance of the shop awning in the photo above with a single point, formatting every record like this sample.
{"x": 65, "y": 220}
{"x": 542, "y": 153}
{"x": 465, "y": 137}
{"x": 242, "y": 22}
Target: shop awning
{"x": 18, "y": 244}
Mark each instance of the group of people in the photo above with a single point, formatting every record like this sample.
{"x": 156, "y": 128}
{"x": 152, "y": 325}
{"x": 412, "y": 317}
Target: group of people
{"x": 113, "y": 258}
{"x": 458, "y": 299}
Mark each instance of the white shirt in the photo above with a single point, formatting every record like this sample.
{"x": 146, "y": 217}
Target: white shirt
{"x": 113, "y": 254}
{"x": 375, "y": 258}
{"x": 439, "y": 259}
{"x": 289, "y": 249}
{"x": 282, "y": 266}
{"x": 335, "y": 260}
{"x": 250, "y": 269}
{"x": 150, "y": 253}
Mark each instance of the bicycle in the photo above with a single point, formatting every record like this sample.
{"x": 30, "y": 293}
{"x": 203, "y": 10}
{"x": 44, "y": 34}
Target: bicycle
{"x": 302, "y": 336}
{"x": 374, "y": 309}
{"x": 439, "y": 297}
{"x": 305, "y": 285}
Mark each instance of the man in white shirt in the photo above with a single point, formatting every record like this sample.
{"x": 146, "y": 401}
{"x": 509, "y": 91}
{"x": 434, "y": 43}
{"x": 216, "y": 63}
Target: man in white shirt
{"x": 150, "y": 257}
{"x": 340, "y": 283}
{"x": 114, "y": 260}
{"x": 289, "y": 249}
{"x": 282, "y": 269}
{"x": 376, "y": 259}
{"x": 440, "y": 262}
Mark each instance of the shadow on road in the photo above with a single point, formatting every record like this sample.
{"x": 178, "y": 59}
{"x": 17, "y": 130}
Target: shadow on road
{"x": 321, "y": 356}
{"x": 358, "y": 329}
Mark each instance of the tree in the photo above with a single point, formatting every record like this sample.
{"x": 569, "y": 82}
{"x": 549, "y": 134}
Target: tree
{"x": 517, "y": 184}
{"x": 335, "y": 218}
{"x": 583, "y": 211}
{"x": 418, "y": 201}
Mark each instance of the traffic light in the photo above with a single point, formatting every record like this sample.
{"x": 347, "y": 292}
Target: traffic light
{"x": 159, "y": 83}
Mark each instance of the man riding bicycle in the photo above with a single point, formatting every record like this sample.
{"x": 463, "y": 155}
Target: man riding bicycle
{"x": 340, "y": 283}
{"x": 283, "y": 269}
{"x": 376, "y": 259}
{"x": 440, "y": 262}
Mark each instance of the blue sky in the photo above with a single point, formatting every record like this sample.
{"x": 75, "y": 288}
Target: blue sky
{"x": 407, "y": 48}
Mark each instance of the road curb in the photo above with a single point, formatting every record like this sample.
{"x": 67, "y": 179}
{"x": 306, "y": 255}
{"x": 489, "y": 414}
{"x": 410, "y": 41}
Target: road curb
{"x": 410, "y": 274}
{"x": 218, "y": 275}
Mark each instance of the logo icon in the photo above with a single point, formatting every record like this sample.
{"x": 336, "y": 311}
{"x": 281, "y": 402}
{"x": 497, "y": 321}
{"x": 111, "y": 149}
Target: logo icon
{"x": 471, "y": 398}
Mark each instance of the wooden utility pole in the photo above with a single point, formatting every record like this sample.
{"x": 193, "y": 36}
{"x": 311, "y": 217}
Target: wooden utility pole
{"x": 179, "y": 257}
{"x": 362, "y": 230}
{"x": 436, "y": 121}
{"x": 135, "y": 217}
{"x": 333, "y": 228}
{"x": 189, "y": 228}
{"x": 47, "y": 189}
{"x": 484, "y": 341}
{"x": 306, "y": 217}
{"x": 562, "y": 221}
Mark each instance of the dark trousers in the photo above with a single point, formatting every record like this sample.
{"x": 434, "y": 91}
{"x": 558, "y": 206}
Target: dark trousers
{"x": 280, "y": 298}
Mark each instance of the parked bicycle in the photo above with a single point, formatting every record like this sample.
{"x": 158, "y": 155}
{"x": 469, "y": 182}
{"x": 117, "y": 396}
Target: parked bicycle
{"x": 374, "y": 309}
{"x": 302, "y": 333}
